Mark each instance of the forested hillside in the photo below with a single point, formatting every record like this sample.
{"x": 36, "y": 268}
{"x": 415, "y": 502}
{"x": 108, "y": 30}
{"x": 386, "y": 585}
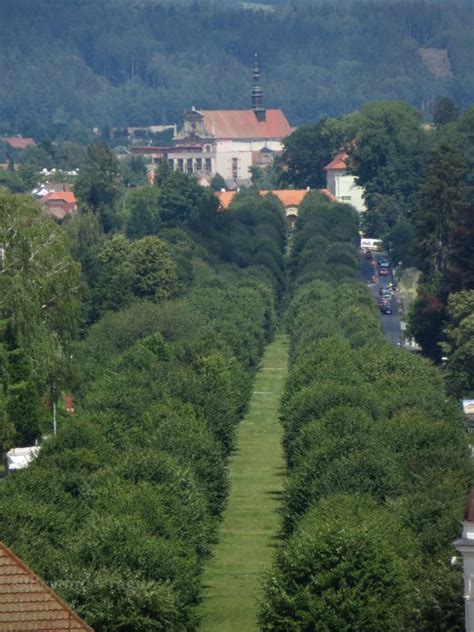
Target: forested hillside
{"x": 68, "y": 64}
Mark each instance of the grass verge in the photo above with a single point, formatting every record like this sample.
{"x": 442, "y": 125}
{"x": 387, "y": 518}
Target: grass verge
{"x": 248, "y": 533}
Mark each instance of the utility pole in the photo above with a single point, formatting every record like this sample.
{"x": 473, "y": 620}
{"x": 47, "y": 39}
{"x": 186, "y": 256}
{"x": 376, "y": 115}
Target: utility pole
{"x": 54, "y": 396}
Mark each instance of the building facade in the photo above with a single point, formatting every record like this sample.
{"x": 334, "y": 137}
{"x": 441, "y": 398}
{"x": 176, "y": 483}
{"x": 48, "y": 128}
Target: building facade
{"x": 342, "y": 184}
{"x": 225, "y": 142}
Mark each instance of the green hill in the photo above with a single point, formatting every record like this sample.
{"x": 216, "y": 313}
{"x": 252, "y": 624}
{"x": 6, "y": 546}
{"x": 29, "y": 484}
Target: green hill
{"x": 141, "y": 62}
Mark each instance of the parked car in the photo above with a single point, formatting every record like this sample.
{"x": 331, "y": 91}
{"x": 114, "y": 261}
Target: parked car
{"x": 386, "y": 307}
{"x": 383, "y": 272}
{"x": 383, "y": 263}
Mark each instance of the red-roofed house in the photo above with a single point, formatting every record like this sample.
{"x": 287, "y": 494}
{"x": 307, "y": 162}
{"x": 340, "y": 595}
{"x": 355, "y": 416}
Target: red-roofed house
{"x": 232, "y": 141}
{"x": 59, "y": 204}
{"x": 17, "y": 142}
{"x": 27, "y": 603}
{"x": 341, "y": 183}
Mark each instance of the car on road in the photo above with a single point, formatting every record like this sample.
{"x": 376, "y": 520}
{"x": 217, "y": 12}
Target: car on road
{"x": 383, "y": 271}
{"x": 386, "y": 307}
{"x": 383, "y": 263}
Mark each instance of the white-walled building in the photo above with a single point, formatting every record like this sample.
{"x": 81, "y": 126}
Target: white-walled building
{"x": 342, "y": 184}
{"x": 230, "y": 141}
{"x": 465, "y": 545}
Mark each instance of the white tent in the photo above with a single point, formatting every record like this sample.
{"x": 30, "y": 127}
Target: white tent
{"x": 18, "y": 458}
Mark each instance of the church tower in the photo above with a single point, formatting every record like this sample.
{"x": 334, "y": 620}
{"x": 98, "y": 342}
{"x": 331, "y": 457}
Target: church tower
{"x": 257, "y": 93}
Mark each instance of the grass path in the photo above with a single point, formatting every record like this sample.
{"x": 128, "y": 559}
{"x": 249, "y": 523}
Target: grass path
{"x": 231, "y": 582}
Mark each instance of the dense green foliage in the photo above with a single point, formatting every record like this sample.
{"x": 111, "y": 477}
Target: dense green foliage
{"x": 378, "y": 461}
{"x": 418, "y": 192}
{"x": 459, "y": 344}
{"x": 133, "y": 63}
{"x": 120, "y": 509}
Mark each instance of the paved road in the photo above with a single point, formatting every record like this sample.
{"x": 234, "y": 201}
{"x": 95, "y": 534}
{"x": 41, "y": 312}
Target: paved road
{"x": 390, "y": 322}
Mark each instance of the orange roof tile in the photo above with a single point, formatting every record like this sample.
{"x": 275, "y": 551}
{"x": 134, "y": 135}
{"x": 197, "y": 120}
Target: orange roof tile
{"x": 330, "y": 196}
{"x": 288, "y": 197}
{"x": 27, "y": 603}
{"x": 66, "y": 196}
{"x": 244, "y": 124}
{"x": 339, "y": 161}
{"x": 225, "y": 198}
{"x": 16, "y": 142}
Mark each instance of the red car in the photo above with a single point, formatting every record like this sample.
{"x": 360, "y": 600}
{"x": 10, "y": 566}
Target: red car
{"x": 383, "y": 272}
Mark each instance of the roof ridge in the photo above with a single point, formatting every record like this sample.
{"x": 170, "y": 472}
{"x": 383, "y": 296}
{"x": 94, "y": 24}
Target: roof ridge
{"x": 9, "y": 554}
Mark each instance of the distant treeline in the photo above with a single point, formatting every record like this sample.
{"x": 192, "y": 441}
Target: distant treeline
{"x": 67, "y": 65}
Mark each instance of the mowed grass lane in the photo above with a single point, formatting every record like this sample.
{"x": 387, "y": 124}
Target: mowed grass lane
{"x": 249, "y": 531}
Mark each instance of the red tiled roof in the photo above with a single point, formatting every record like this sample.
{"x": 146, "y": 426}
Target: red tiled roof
{"x": 244, "y": 124}
{"x": 66, "y": 196}
{"x": 329, "y": 195}
{"x": 27, "y": 603}
{"x": 339, "y": 161}
{"x": 225, "y": 198}
{"x": 18, "y": 143}
{"x": 288, "y": 197}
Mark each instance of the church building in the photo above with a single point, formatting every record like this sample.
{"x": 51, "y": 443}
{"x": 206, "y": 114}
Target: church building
{"x": 229, "y": 142}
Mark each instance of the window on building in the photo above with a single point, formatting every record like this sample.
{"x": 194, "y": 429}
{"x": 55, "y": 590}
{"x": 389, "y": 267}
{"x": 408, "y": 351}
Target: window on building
{"x": 208, "y": 165}
{"x": 198, "y": 164}
{"x": 346, "y": 198}
{"x": 171, "y": 163}
{"x": 180, "y": 164}
{"x": 235, "y": 168}
{"x": 189, "y": 165}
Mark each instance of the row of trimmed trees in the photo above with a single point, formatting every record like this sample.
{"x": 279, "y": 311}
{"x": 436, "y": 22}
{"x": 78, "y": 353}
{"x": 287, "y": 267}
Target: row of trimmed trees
{"x": 378, "y": 464}
{"x": 119, "y": 511}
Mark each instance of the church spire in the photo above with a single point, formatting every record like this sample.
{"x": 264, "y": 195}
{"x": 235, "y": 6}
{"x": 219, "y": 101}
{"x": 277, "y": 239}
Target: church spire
{"x": 257, "y": 93}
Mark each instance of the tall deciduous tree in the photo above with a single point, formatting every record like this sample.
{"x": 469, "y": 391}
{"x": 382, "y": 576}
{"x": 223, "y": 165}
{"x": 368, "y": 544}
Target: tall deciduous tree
{"x": 97, "y": 185}
{"x": 444, "y": 226}
{"x": 308, "y": 150}
{"x": 22, "y": 403}
{"x": 142, "y": 212}
{"x": 442, "y": 203}
{"x": 39, "y": 285}
{"x": 390, "y": 150}
{"x": 344, "y": 569}
{"x": 445, "y": 111}
{"x": 154, "y": 271}
{"x": 459, "y": 343}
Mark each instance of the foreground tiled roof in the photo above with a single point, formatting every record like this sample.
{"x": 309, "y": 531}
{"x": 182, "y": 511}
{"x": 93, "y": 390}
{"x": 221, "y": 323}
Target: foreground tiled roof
{"x": 288, "y": 197}
{"x": 235, "y": 124}
{"x": 28, "y": 604}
